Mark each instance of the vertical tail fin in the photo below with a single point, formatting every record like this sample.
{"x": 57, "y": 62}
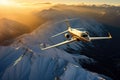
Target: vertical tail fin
{"x": 67, "y": 23}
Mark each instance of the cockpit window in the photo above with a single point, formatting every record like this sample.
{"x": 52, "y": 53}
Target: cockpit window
{"x": 84, "y": 35}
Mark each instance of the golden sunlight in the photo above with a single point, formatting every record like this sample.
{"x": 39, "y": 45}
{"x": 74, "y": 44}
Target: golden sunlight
{"x": 7, "y": 3}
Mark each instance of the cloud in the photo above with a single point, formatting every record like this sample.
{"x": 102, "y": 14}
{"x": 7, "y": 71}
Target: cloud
{"x": 35, "y": 4}
{"x": 47, "y": 3}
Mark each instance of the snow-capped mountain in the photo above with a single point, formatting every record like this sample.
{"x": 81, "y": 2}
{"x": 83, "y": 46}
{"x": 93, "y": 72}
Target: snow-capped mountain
{"x": 24, "y": 60}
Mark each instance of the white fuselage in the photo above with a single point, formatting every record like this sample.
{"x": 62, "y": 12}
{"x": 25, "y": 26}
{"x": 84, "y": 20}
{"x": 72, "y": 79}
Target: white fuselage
{"x": 79, "y": 35}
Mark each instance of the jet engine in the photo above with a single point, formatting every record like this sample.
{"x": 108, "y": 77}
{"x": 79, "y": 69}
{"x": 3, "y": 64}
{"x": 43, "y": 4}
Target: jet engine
{"x": 67, "y": 35}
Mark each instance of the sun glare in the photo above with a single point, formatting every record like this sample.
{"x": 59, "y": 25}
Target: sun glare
{"x": 6, "y": 2}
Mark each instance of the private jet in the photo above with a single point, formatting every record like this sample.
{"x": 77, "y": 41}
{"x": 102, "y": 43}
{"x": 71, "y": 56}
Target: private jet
{"x": 75, "y": 34}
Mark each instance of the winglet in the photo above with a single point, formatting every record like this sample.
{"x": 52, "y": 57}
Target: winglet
{"x": 109, "y": 35}
{"x": 42, "y": 46}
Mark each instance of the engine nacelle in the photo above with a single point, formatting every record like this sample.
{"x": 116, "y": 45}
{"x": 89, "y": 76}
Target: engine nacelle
{"x": 67, "y": 35}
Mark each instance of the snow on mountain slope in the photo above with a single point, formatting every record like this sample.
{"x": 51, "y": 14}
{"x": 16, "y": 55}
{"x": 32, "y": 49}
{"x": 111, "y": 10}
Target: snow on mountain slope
{"x": 45, "y": 66}
{"x": 7, "y": 57}
{"x": 52, "y": 64}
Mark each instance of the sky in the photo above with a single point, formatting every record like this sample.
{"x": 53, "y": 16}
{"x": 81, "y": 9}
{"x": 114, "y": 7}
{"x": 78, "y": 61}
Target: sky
{"x": 116, "y": 2}
{"x": 17, "y": 2}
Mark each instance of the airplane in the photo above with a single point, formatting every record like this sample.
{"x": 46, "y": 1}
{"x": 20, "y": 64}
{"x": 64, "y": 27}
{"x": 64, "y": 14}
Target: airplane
{"x": 75, "y": 34}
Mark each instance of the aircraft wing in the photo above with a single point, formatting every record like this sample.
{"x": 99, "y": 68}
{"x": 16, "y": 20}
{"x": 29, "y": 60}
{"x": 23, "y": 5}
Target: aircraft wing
{"x": 97, "y": 38}
{"x": 59, "y": 44}
{"x": 60, "y": 33}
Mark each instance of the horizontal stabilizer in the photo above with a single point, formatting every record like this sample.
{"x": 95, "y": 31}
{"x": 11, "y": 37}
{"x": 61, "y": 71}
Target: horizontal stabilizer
{"x": 79, "y": 28}
{"x": 59, "y": 33}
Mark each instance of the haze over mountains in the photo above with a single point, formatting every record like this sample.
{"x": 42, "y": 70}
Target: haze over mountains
{"x": 10, "y": 29}
{"x": 105, "y": 13}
